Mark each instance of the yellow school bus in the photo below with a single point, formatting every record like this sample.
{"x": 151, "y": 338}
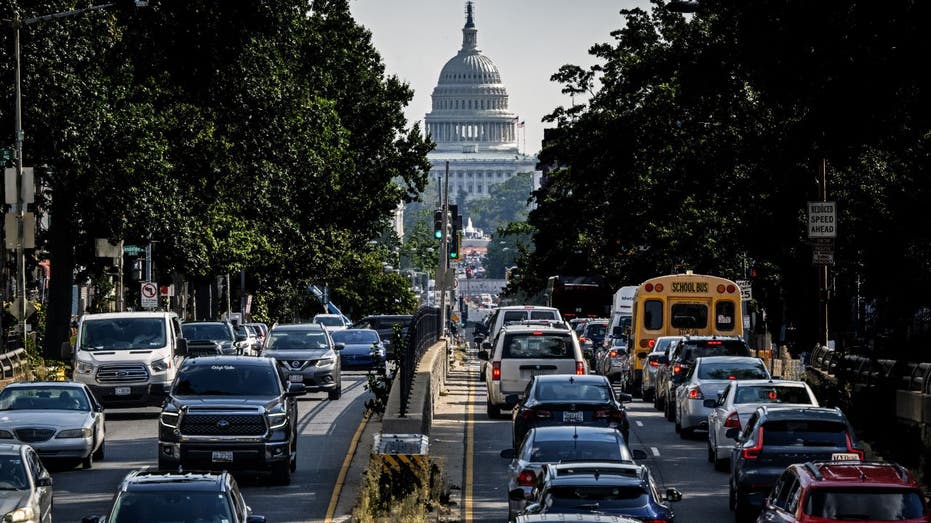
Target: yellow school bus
{"x": 682, "y": 304}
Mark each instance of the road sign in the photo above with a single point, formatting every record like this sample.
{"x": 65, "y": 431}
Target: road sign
{"x": 132, "y": 250}
{"x": 822, "y": 253}
{"x": 167, "y": 290}
{"x": 14, "y": 306}
{"x": 148, "y": 295}
{"x": 746, "y": 291}
{"x": 822, "y": 219}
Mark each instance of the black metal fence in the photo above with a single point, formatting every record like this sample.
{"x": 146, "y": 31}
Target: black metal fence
{"x": 424, "y": 331}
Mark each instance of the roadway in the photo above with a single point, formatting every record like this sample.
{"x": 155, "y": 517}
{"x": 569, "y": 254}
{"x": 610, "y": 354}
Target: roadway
{"x": 325, "y": 427}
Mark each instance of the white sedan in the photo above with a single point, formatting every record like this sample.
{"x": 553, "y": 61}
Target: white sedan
{"x": 739, "y": 400}
{"x": 60, "y": 420}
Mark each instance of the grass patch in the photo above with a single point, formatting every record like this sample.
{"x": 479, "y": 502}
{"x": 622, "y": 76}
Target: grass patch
{"x": 414, "y": 496}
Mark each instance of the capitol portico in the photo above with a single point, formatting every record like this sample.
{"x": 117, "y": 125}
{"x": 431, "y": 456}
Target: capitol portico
{"x": 471, "y": 124}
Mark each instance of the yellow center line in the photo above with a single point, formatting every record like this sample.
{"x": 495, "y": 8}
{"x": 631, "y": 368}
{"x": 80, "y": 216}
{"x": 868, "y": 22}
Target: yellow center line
{"x": 341, "y": 477}
{"x": 469, "y": 458}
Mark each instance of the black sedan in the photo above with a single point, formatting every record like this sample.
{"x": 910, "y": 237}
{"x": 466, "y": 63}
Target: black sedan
{"x": 564, "y": 399}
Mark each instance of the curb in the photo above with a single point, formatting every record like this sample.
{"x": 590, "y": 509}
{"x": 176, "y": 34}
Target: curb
{"x": 349, "y": 495}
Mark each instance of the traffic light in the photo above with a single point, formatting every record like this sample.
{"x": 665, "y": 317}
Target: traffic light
{"x": 454, "y": 239}
{"x": 438, "y": 224}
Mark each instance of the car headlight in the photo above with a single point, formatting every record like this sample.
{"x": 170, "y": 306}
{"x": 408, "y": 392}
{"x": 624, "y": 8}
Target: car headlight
{"x": 20, "y": 514}
{"x": 161, "y": 365}
{"x": 5, "y": 434}
{"x": 325, "y": 362}
{"x": 85, "y": 432}
{"x": 169, "y": 419}
{"x": 84, "y": 367}
{"x": 277, "y": 417}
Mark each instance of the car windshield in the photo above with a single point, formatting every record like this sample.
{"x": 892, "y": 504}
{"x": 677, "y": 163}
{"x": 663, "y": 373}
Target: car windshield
{"x": 122, "y": 334}
{"x": 329, "y": 321}
{"x": 772, "y": 394}
{"x": 297, "y": 340}
{"x": 861, "y": 504}
{"x": 207, "y": 331}
{"x": 571, "y": 392}
{"x": 596, "y": 331}
{"x": 355, "y": 337}
{"x": 13, "y": 473}
{"x": 732, "y": 371}
{"x": 606, "y": 497}
{"x": 226, "y": 380}
{"x": 537, "y": 346}
{"x": 804, "y": 433}
{"x": 43, "y": 398}
{"x": 578, "y": 449}
{"x": 175, "y": 506}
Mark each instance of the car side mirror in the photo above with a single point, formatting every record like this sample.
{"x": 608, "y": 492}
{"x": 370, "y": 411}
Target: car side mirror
{"x": 483, "y": 355}
{"x": 255, "y": 519}
{"x": 67, "y": 350}
{"x": 733, "y": 433}
{"x": 517, "y": 494}
{"x": 623, "y": 396}
{"x": 511, "y": 400}
{"x": 44, "y": 481}
{"x": 673, "y": 495}
{"x": 181, "y": 347}
{"x": 638, "y": 454}
{"x": 710, "y": 404}
{"x": 508, "y": 453}
{"x": 339, "y": 346}
{"x": 295, "y": 389}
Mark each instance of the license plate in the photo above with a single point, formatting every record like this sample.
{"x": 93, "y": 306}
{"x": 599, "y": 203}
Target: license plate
{"x": 845, "y": 456}
{"x": 572, "y": 417}
{"x": 222, "y": 456}
{"x": 122, "y": 391}
{"x": 296, "y": 378}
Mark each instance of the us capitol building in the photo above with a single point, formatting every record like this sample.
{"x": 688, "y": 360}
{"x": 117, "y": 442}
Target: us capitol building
{"x": 471, "y": 124}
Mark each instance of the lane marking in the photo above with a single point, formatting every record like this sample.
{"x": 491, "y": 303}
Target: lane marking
{"x": 655, "y": 451}
{"x": 469, "y": 458}
{"x": 639, "y": 423}
{"x": 341, "y": 477}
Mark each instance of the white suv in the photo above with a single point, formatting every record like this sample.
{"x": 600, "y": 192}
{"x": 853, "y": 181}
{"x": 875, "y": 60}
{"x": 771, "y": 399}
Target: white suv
{"x": 524, "y": 351}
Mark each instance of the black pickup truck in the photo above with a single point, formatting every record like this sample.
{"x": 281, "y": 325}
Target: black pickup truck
{"x": 230, "y": 413}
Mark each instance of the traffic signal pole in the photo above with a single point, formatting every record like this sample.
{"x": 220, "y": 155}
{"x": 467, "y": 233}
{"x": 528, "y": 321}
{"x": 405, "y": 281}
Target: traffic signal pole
{"x": 441, "y": 269}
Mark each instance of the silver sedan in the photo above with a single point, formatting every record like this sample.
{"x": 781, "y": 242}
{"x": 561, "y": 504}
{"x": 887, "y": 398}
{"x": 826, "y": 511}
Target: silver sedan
{"x": 58, "y": 419}
{"x": 706, "y": 379}
{"x": 25, "y": 486}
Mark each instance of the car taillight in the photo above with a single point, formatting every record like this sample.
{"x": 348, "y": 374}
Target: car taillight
{"x": 616, "y": 415}
{"x": 583, "y": 339}
{"x": 613, "y": 354}
{"x": 579, "y": 368}
{"x": 695, "y": 393}
{"x": 527, "y": 478}
{"x": 654, "y": 363}
{"x": 754, "y": 451}
{"x": 732, "y": 421}
{"x": 496, "y": 371}
{"x": 538, "y": 414}
{"x": 850, "y": 447}
{"x": 676, "y": 369}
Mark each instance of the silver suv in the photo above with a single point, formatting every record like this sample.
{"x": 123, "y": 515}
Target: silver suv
{"x": 306, "y": 354}
{"x": 523, "y": 351}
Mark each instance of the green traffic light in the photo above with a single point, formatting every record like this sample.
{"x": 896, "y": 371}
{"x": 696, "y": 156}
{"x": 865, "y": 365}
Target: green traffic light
{"x": 437, "y": 234}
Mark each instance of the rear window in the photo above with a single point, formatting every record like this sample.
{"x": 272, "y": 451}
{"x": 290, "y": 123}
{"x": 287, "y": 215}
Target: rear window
{"x": 542, "y": 315}
{"x": 606, "y": 496}
{"x": 724, "y": 312}
{"x": 652, "y": 315}
{"x": 689, "y": 316}
{"x": 804, "y": 433}
{"x": 544, "y": 346}
{"x": 580, "y": 449}
{"x": 514, "y": 316}
{"x": 571, "y": 392}
{"x": 704, "y": 348}
{"x": 772, "y": 394}
{"x": 861, "y": 504}
{"x": 596, "y": 331}
{"x": 732, "y": 371}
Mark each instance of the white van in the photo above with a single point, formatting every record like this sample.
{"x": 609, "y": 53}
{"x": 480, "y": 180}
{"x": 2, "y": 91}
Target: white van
{"x": 622, "y": 309}
{"x": 517, "y": 313}
{"x": 128, "y": 358}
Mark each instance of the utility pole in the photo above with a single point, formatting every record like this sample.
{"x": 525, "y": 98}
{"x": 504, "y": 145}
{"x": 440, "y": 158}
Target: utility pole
{"x": 442, "y": 269}
{"x": 825, "y": 291}
{"x": 20, "y": 208}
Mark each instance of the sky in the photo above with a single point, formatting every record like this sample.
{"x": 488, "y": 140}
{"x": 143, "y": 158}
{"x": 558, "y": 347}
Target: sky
{"x": 527, "y": 39}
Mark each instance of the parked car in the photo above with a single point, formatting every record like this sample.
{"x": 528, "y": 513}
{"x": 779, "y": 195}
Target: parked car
{"x": 543, "y": 445}
{"x": 305, "y": 354}
{"x": 230, "y": 413}
{"x": 776, "y": 437}
{"x": 657, "y": 361}
{"x": 155, "y": 496}
{"x": 362, "y": 348}
{"x": 573, "y": 518}
{"x": 560, "y": 399}
{"x": 332, "y": 321}
{"x": 615, "y": 489}
{"x": 59, "y": 419}
{"x": 614, "y": 363}
{"x": 524, "y": 351}
{"x": 739, "y": 400}
{"x": 683, "y": 355}
{"x": 248, "y": 340}
{"x": 210, "y": 338}
{"x": 384, "y": 324}
{"x": 845, "y": 491}
{"x": 25, "y": 485}
{"x": 706, "y": 378}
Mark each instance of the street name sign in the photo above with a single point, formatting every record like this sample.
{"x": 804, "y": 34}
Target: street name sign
{"x": 822, "y": 219}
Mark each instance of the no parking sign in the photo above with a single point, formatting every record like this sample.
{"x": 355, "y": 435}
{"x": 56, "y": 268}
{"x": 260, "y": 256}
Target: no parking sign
{"x": 148, "y": 295}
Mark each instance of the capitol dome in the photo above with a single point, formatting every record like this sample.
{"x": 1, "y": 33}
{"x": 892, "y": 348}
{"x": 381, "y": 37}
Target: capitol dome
{"x": 470, "y": 103}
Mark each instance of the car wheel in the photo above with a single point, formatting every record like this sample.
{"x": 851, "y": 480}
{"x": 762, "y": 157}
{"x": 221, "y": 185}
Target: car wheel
{"x": 678, "y": 428}
{"x": 731, "y": 498}
{"x": 710, "y": 453}
{"x": 493, "y": 411}
{"x": 281, "y": 473}
{"x": 657, "y": 402}
{"x": 742, "y": 512}
{"x": 670, "y": 414}
{"x": 88, "y": 462}
{"x": 99, "y": 453}
{"x": 292, "y": 466}
{"x": 336, "y": 393}
{"x": 721, "y": 465}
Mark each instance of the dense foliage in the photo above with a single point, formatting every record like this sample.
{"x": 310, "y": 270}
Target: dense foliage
{"x": 262, "y": 137}
{"x": 702, "y": 138}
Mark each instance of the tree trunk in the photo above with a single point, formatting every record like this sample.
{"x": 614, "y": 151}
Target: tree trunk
{"x": 61, "y": 243}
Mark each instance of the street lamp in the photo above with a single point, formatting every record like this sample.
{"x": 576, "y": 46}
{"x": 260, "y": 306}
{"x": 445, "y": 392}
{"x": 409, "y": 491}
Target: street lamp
{"x": 19, "y": 207}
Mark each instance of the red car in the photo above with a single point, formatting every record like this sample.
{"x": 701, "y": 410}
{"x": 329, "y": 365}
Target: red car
{"x": 865, "y": 492}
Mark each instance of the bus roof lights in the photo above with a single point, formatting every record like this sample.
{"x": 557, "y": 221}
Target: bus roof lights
{"x": 731, "y": 289}
{"x": 658, "y": 287}
{"x": 648, "y": 287}
{"x": 721, "y": 289}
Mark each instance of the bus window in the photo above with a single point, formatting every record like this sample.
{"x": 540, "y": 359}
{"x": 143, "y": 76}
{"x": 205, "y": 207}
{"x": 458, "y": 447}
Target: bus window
{"x": 689, "y": 316}
{"x": 724, "y": 315}
{"x": 653, "y": 315}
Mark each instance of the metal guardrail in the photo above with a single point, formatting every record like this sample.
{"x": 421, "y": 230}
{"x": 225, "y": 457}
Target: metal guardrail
{"x": 13, "y": 362}
{"x": 424, "y": 331}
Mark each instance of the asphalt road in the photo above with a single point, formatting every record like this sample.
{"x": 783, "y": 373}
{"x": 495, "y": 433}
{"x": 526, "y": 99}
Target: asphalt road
{"x": 674, "y": 462}
{"x": 325, "y": 427}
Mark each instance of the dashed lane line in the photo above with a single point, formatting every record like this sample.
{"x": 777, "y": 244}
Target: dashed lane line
{"x": 655, "y": 451}
{"x": 639, "y": 423}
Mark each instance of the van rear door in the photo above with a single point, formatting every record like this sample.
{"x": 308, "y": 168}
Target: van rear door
{"x": 533, "y": 353}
